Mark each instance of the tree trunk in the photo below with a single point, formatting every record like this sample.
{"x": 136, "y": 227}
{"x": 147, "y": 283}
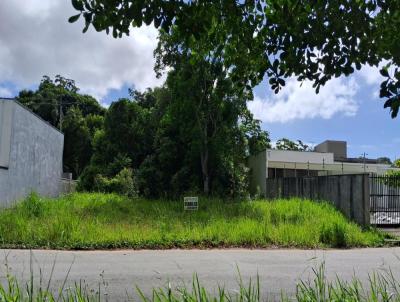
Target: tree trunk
{"x": 204, "y": 170}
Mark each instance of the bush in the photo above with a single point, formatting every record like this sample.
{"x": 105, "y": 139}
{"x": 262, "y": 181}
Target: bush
{"x": 123, "y": 183}
{"x": 87, "y": 178}
{"x": 392, "y": 179}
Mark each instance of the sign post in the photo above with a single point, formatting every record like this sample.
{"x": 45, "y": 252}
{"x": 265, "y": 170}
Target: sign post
{"x": 191, "y": 203}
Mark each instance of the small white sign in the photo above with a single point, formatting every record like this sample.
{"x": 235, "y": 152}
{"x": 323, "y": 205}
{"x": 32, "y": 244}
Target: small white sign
{"x": 191, "y": 203}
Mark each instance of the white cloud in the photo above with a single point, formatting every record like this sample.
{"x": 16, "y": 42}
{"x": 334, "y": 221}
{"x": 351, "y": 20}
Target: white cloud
{"x": 370, "y": 74}
{"x": 36, "y": 39}
{"x": 5, "y": 92}
{"x": 372, "y": 77}
{"x": 296, "y": 102}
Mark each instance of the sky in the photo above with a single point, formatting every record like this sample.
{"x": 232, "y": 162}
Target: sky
{"x": 37, "y": 40}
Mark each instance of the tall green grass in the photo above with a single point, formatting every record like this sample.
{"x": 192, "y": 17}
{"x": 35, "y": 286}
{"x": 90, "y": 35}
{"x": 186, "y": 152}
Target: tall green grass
{"x": 87, "y": 221}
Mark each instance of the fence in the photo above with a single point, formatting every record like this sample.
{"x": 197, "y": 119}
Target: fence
{"x": 385, "y": 199}
{"x": 348, "y": 193}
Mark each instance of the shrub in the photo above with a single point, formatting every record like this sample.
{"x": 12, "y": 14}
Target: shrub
{"x": 87, "y": 178}
{"x": 123, "y": 183}
{"x": 392, "y": 179}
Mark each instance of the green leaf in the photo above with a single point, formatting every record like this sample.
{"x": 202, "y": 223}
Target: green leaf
{"x": 86, "y": 28}
{"x": 148, "y": 18}
{"x": 384, "y": 72}
{"x": 157, "y": 22}
{"x": 77, "y": 4}
{"x": 74, "y": 18}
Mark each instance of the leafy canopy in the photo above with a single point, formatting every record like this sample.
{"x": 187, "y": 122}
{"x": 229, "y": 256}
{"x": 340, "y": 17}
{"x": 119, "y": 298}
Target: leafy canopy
{"x": 78, "y": 116}
{"x": 287, "y": 144}
{"x": 311, "y": 40}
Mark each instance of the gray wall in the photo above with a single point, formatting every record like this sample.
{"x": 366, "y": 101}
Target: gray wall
{"x": 35, "y": 157}
{"x": 6, "y": 110}
{"x": 258, "y": 173}
{"x": 338, "y": 148}
{"x": 348, "y": 193}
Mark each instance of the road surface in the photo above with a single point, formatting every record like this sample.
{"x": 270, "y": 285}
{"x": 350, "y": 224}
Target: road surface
{"x": 118, "y": 272}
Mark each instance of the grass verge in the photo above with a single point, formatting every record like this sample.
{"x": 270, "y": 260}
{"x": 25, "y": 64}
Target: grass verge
{"x": 103, "y": 221}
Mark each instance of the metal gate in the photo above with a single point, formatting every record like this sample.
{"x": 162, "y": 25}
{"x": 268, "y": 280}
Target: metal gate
{"x": 385, "y": 199}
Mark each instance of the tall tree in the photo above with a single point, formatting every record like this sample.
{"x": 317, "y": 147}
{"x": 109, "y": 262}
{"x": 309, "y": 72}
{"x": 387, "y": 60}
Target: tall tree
{"x": 310, "y": 40}
{"x": 77, "y": 142}
{"x": 205, "y": 95}
{"x": 158, "y": 136}
{"x": 384, "y": 160}
{"x": 59, "y": 102}
{"x": 127, "y": 133}
{"x": 53, "y": 98}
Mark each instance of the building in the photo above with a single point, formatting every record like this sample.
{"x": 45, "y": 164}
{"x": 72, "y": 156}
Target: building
{"x": 31, "y": 152}
{"x": 328, "y": 158}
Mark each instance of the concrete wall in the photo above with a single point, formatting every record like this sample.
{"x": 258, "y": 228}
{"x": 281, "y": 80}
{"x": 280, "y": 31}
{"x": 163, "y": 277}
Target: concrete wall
{"x": 333, "y": 169}
{"x": 348, "y": 193}
{"x": 258, "y": 170}
{"x": 299, "y": 156}
{"x": 338, "y": 148}
{"x": 35, "y": 157}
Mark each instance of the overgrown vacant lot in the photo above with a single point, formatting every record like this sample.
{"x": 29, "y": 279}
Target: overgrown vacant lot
{"x": 87, "y": 221}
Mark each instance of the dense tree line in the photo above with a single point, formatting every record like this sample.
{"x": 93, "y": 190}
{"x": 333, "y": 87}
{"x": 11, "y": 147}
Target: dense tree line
{"x": 193, "y": 134}
{"x": 78, "y": 116}
{"x": 172, "y": 142}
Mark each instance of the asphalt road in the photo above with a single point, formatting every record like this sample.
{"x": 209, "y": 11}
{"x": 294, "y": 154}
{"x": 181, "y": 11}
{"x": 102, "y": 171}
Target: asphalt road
{"x": 118, "y": 272}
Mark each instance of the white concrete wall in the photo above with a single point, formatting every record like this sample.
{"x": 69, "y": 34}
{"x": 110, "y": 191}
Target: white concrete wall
{"x": 333, "y": 168}
{"x": 299, "y": 157}
{"x": 35, "y": 161}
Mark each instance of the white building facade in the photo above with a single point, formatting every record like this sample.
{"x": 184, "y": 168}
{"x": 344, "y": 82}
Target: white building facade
{"x": 283, "y": 163}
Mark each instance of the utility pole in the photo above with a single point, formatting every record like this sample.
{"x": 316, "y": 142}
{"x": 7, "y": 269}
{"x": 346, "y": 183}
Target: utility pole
{"x": 364, "y": 154}
{"x": 61, "y": 116}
